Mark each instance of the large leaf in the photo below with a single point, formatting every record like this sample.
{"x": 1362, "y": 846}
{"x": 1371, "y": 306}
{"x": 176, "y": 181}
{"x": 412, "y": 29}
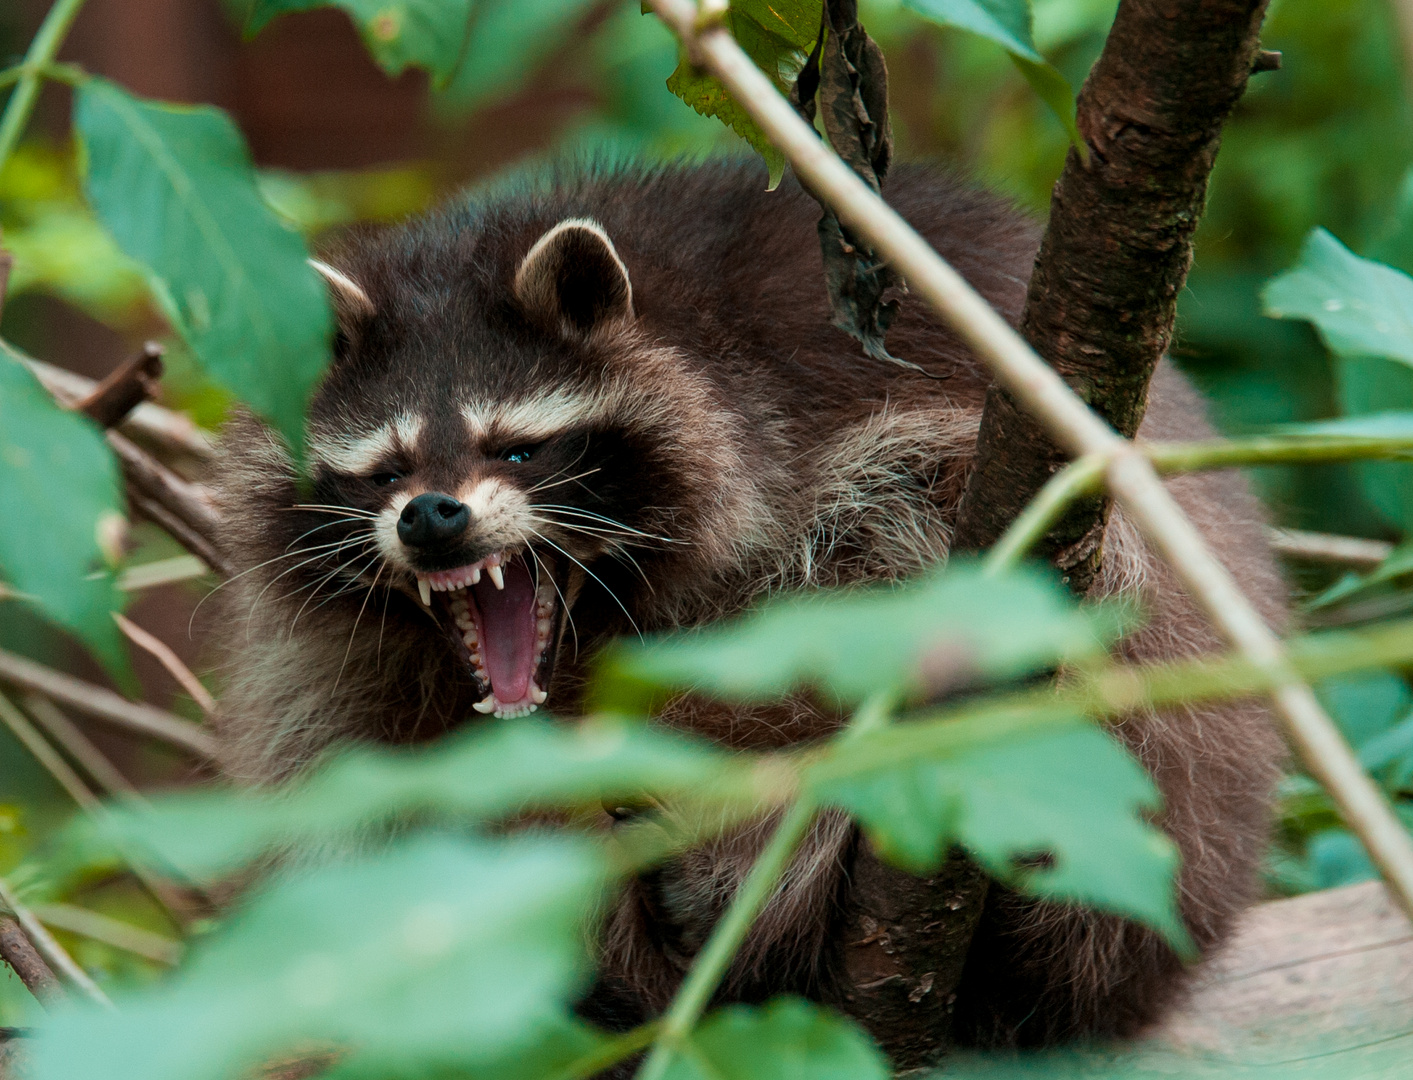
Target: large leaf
{"x": 1067, "y": 792}
{"x": 175, "y": 187}
{"x": 399, "y": 33}
{"x": 1007, "y": 22}
{"x": 778, "y": 37}
{"x": 788, "y": 1039}
{"x": 1362, "y": 308}
{"x": 442, "y": 953}
{"x": 59, "y": 490}
{"x": 954, "y": 624}
{"x": 485, "y": 773}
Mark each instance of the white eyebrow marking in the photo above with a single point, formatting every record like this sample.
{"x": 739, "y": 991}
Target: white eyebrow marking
{"x": 359, "y": 454}
{"x": 534, "y": 418}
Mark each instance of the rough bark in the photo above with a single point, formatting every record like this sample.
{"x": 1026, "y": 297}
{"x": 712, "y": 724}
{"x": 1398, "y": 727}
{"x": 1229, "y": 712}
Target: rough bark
{"x": 905, "y": 944}
{"x": 17, "y": 951}
{"x": 1104, "y": 292}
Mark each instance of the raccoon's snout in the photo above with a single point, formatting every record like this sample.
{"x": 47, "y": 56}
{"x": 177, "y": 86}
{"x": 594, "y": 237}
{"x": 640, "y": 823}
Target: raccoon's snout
{"x": 432, "y": 520}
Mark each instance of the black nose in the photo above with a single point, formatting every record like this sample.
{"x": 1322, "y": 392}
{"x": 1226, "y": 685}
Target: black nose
{"x": 432, "y": 519}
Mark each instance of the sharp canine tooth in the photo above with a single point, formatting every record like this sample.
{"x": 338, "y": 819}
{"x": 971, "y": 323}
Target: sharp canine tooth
{"x": 486, "y": 706}
{"x": 497, "y": 576}
{"x": 424, "y": 590}
{"x": 537, "y": 695}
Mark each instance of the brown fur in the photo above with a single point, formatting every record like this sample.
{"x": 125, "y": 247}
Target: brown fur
{"x": 753, "y": 449}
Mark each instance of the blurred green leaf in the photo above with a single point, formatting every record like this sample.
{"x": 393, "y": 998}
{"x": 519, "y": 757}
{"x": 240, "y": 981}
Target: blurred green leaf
{"x": 61, "y": 500}
{"x": 1361, "y": 307}
{"x": 1366, "y": 704}
{"x": 447, "y": 953}
{"x": 787, "y": 1039}
{"x": 175, "y": 187}
{"x": 484, "y": 773}
{"x": 508, "y": 40}
{"x": 399, "y": 33}
{"x": 1067, "y": 793}
{"x": 1390, "y": 753}
{"x": 778, "y": 37}
{"x": 954, "y": 625}
{"x": 1007, "y": 22}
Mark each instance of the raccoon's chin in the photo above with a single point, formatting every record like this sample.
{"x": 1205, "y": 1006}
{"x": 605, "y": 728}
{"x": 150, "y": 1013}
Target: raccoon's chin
{"x": 506, "y": 624}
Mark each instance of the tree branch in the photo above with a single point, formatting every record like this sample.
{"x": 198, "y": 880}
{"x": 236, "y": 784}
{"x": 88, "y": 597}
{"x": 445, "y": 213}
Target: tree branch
{"x": 1038, "y": 389}
{"x": 17, "y": 951}
{"x": 1115, "y": 256}
{"x": 101, "y": 704}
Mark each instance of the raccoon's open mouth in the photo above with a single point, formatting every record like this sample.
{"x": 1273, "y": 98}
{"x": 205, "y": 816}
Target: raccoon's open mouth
{"x": 506, "y": 621}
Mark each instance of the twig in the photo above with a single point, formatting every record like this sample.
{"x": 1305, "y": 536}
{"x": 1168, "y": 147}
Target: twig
{"x": 78, "y": 746}
{"x": 124, "y": 388}
{"x": 178, "y": 907}
{"x": 162, "y": 572}
{"x": 54, "y": 954}
{"x": 1326, "y": 547}
{"x": 114, "y": 932}
{"x": 171, "y": 431}
{"x": 726, "y": 937}
{"x": 1043, "y": 393}
{"x": 177, "y": 505}
{"x": 102, "y": 704}
{"x": 19, "y": 952}
{"x": 169, "y": 660}
{"x": 42, "y": 51}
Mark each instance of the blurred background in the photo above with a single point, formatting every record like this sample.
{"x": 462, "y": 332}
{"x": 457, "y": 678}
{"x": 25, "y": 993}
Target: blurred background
{"x": 1326, "y": 140}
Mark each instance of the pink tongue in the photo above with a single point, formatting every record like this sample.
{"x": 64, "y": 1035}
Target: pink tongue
{"x": 508, "y": 631}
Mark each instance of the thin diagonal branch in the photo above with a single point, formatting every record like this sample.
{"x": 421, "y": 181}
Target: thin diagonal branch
{"x": 1044, "y": 394}
{"x": 19, "y": 952}
{"x": 133, "y": 717}
{"x": 53, "y": 953}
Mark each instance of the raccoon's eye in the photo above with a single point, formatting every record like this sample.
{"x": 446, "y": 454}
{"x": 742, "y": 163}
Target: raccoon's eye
{"x": 383, "y": 479}
{"x": 520, "y": 454}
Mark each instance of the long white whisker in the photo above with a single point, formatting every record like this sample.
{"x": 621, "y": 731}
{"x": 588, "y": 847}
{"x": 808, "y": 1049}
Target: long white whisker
{"x": 330, "y": 508}
{"x": 545, "y": 485}
{"x": 562, "y": 601}
{"x": 319, "y": 585}
{"x": 359, "y": 618}
{"x": 576, "y": 511}
{"x": 618, "y": 549}
{"x": 593, "y": 575}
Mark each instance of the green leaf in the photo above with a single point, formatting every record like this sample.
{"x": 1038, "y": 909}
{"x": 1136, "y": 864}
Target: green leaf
{"x": 399, "y": 33}
{"x": 444, "y": 953}
{"x": 1008, "y": 22}
{"x": 787, "y": 1039}
{"x": 60, "y": 492}
{"x": 509, "y": 39}
{"x": 954, "y": 623}
{"x": 484, "y": 773}
{"x": 1065, "y": 791}
{"x": 1362, "y": 308}
{"x": 175, "y": 187}
{"x": 778, "y": 37}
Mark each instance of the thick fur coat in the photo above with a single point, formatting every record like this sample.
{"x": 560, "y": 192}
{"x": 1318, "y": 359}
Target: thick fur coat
{"x": 624, "y": 388}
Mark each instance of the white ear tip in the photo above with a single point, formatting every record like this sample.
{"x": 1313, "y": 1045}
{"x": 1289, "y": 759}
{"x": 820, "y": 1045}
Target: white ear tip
{"x": 345, "y": 286}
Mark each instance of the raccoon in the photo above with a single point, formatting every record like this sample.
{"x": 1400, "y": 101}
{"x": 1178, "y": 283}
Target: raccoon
{"x": 612, "y": 402}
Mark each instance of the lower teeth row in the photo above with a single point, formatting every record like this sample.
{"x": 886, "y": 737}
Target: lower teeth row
{"x": 544, "y": 624}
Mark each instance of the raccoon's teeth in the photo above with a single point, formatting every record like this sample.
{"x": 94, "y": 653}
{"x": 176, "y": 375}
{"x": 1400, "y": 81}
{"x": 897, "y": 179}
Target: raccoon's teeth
{"x": 497, "y": 576}
{"x": 486, "y": 705}
{"x": 475, "y": 575}
{"x": 424, "y": 590}
{"x": 537, "y": 695}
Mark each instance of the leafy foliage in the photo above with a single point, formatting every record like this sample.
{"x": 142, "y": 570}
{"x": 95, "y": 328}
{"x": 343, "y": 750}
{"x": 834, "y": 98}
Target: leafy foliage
{"x": 1064, "y": 791}
{"x": 59, "y": 487}
{"x": 429, "y": 34}
{"x": 778, "y": 37}
{"x": 1008, "y": 24}
{"x": 788, "y": 1039}
{"x": 955, "y": 625}
{"x": 174, "y": 186}
{"x": 445, "y": 952}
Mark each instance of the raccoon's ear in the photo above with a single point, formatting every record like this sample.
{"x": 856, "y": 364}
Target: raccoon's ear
{"x": 573, "y": 278}
{"x": 352, "y": 306}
